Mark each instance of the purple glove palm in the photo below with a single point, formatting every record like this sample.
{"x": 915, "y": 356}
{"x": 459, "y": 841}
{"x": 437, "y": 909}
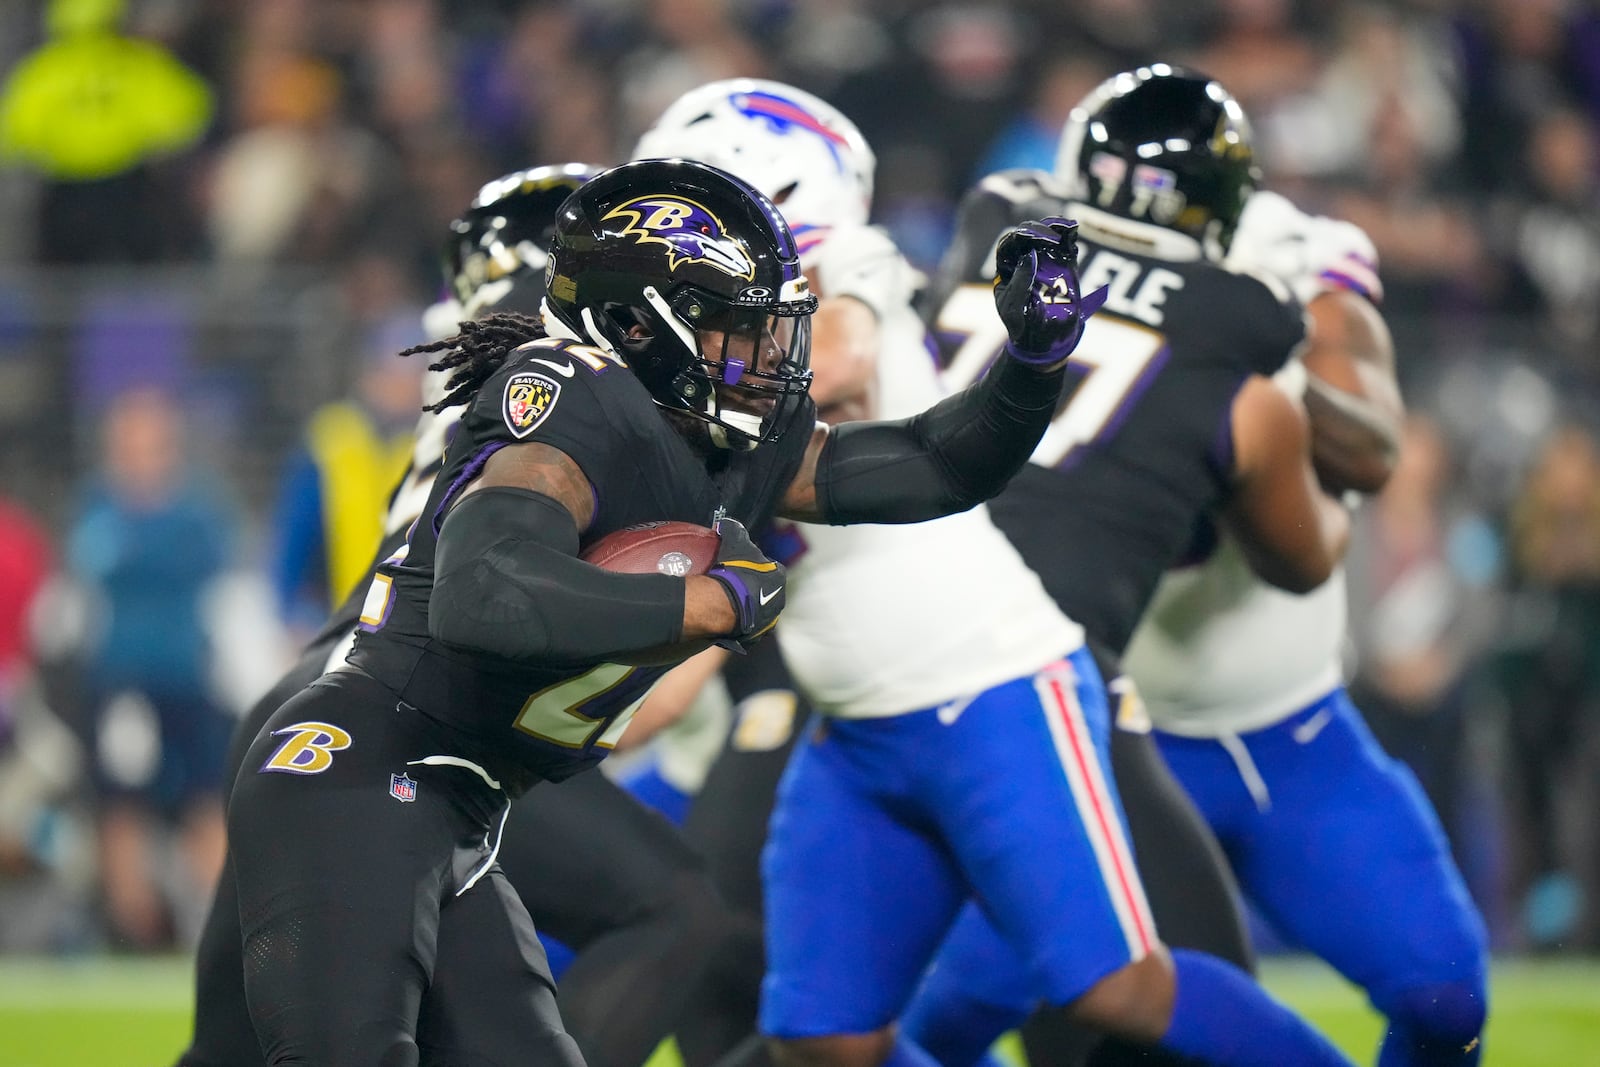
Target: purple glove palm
{"x": 1037, "y": 291}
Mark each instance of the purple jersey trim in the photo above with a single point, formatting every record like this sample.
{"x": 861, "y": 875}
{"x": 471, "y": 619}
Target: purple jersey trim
{"x": 1125, "y": 406}
{"x": 1131, "y": 398}
{"x": 473, "y": 468}
{"x": 1345, "y": 281}
{"x": 1222, "y": 455}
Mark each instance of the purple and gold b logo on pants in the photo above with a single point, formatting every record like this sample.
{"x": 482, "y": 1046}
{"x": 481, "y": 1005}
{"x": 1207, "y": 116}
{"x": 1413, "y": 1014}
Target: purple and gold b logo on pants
{"x": 308, "y": 748}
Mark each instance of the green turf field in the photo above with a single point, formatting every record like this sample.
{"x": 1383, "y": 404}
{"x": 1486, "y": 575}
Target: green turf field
{"x": 134, "y": 1013}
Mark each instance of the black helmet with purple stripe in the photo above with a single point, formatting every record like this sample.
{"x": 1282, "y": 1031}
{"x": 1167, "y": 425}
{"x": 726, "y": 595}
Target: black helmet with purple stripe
{"x": 690, "y": 277}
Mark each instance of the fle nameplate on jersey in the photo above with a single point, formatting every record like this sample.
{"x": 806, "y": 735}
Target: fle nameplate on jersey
{"x": 1129, "y": 294}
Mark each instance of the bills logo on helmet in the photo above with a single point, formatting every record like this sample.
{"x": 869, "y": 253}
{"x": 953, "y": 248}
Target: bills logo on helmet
{"x": 403, "y": 787}
{"x": 786, "y": 116}
{"x": 528, "y": 401}
{"x": 691, "y": 233}
{"x": 308, "y": 748}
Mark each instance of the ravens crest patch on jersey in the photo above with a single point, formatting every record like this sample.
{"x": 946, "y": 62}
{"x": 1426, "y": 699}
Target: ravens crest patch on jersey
{"x": 529, "y": 399}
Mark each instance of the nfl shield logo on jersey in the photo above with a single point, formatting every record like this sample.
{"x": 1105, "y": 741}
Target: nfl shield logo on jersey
{"x": 403, "y": 787}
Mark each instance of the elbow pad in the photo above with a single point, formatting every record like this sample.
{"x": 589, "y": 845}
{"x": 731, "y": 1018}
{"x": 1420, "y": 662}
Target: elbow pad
{"x": 507, "y": 581}
{"x": 949, "y": 458}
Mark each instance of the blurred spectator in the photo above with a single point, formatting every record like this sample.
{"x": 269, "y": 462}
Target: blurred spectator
{"x": 826, "y": 41}
{"x": 1412, "y": 620}
{"x": 297, "y": 182}
{"x": 93, "y": 112}
{"x": 39, "y": 758}
{"x": 152, "y": 536}
{"x": 690, "y": 42}
{"x": 1547, "y": 670}
{"x": 1519, "y": 60}
{"x": 1380, "y": 59}
{"x": 1259, "y": 52}
{"x": 25, "y": 560}
{"x": 1031, "y": 139}
{"x": 1427, "y": 238}
{"x": 335, "y": 487}
{"x": 1548, "y": 232}
{"x": 956, "y": 76}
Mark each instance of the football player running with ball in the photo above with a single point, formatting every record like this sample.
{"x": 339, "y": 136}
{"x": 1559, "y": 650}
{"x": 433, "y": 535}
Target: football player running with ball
{"x": 672, "y": 385}
{"x": 595, "y": 869}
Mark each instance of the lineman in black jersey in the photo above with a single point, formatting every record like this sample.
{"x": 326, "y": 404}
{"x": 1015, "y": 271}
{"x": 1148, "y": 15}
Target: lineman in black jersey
{"x": 594, "y": 867}
{"x": 1173, "y": 421}
{"x": 377, "y": 926}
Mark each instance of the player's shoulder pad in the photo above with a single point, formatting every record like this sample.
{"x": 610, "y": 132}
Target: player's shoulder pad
{"x": 999, "y": 201}
{"x": 1312, "y": 254}
{"x": 1019, "y": 185}
{"x": 536, "y": 379}
{"x": 863, "y": 262}
{"x": 1266, "y": 324}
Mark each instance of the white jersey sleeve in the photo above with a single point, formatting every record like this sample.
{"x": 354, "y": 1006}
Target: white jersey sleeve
{"x": 1312, "y": 254}
{"x": 863, "y": 262}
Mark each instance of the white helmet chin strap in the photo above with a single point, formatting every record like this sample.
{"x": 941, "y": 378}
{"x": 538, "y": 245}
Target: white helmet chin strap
{"x": 748, "y": 425}
{"x": 597, "y": 335}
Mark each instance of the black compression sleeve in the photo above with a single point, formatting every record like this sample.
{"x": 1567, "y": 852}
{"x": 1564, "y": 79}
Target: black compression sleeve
{"x": 507, "y": 581}
{"x": 949, "y": 458}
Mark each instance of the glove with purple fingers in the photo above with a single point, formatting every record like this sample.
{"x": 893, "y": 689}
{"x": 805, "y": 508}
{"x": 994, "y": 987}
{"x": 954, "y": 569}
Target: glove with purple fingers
{"x": 1038, "y": 293}
{"x": 753, "y": 582}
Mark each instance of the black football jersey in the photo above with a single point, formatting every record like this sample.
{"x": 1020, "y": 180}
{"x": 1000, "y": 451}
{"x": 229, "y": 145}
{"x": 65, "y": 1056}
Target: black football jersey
{"x": 529, "y": 721}
{"x": 1141, "y": 449}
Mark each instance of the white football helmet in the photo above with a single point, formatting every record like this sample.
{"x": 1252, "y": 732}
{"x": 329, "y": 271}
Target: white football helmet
{"x": 801, "y": 151}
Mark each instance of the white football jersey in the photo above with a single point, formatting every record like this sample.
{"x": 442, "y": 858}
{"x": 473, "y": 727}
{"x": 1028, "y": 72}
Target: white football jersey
{"x": 883, "y": 620}
{"x": 1219, "y": 650}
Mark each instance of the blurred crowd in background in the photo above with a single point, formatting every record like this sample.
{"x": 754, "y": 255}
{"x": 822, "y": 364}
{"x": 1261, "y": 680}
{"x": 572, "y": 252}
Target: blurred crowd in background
{"x": 221, "y": 219}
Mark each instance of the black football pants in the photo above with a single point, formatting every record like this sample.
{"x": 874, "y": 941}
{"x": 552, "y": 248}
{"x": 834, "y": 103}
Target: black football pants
{"x": 599, "y": 871}
{"x": 377, "y": 931}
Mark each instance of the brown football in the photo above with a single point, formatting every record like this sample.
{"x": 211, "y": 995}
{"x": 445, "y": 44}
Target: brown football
{"x": 676, "y": 548}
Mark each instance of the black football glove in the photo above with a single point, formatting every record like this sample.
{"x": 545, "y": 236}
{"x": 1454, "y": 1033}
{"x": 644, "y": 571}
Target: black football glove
{"x": 754, "y": 584}
{"x": 1038, "y": 293}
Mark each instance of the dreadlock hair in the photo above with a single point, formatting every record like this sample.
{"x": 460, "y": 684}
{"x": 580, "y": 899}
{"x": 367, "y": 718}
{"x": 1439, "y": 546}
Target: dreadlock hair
{"x": 477, "y": 352}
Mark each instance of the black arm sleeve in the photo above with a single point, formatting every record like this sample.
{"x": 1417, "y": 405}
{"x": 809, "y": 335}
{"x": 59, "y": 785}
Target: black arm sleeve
{"x": 949, "y": 458}
{"x": 507, "y": 581}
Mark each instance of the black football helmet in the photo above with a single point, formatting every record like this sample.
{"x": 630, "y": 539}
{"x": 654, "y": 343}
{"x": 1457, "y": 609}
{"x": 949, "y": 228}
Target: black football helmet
{"x": 497, "y": 250}
{"x": 1164, "y": 146}
{"x": 685, "y": 252}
